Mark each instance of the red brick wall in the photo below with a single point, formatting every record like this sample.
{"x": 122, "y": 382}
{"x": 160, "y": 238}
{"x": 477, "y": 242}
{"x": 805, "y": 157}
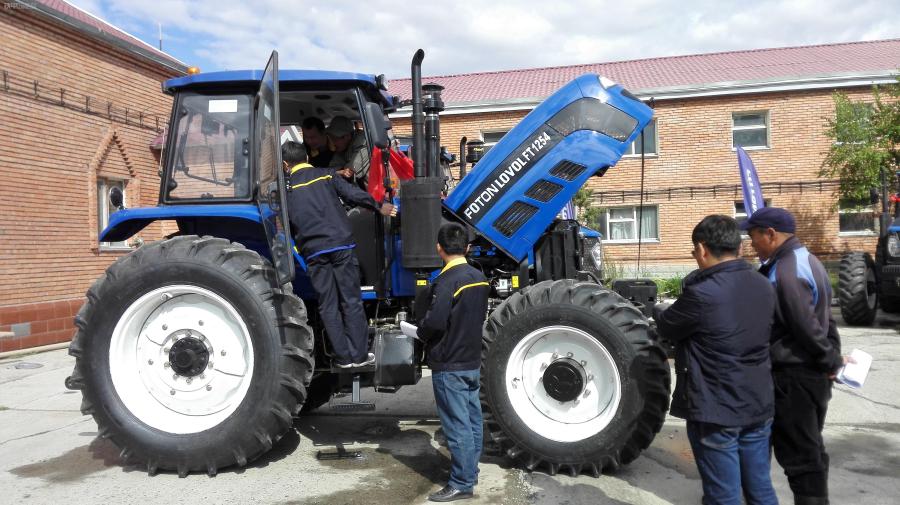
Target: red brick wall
{"x": 50, "y": 159}
{"x": 694, "y": 149}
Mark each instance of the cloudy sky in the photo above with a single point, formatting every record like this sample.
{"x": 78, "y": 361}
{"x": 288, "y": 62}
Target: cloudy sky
{"x": 461, "y": 36}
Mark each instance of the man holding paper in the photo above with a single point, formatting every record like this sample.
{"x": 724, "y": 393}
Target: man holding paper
{"x": 805, "y": 348}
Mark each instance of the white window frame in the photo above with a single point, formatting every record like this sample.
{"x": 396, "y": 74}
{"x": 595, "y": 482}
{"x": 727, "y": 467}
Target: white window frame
{"x": 737, "y": 215}
{"x": 631, "y": 152}
{"x": 867, "y": 209}
{"x": 607, "y": 236}
{"x": 766, "y": 126}
{"x": 103, "y": 186}
{"x": 489, "y": 145}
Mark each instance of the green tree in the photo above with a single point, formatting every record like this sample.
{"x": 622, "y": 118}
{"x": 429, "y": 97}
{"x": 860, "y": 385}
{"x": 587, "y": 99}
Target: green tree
{"x": 588, "y": 215}
{"x": 865, "y": 140}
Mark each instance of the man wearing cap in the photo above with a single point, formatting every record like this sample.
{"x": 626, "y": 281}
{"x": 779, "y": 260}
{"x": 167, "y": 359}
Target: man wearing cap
{"x": 806, "y": 351}
{"x": 351, "y": 153}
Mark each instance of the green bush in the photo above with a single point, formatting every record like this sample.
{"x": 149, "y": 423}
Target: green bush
{"x": 669, "y": 288}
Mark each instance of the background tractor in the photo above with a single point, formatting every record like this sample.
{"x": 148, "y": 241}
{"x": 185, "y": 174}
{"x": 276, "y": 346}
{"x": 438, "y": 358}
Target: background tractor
{"x": 866, "y": 284}
{"x": 194, "y": 353}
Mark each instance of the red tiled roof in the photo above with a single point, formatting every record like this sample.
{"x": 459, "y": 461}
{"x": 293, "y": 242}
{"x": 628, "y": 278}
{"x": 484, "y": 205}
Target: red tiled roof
{"x": 102, "y": 27}
{"x": 672, "y": 71}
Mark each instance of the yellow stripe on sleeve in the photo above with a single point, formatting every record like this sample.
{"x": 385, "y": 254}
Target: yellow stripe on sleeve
{"x": 317, "y": 179}
{"x": 467, "y": 286}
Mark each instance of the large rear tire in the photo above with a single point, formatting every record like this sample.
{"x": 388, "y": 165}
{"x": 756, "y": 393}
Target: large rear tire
{"x": 190, "y": 357}
{"x": 571, "y": 380}
{"x": 858, "y": 289}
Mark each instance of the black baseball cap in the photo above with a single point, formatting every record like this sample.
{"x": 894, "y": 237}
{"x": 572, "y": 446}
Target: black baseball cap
{"x": 771, "y": 217}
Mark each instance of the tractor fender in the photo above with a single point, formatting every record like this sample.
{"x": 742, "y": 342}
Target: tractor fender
{"x": 127, "y": 222}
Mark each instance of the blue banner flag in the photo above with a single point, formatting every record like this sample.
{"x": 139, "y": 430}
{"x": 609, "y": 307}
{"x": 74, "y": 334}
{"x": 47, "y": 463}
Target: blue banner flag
{"x": 753, "y": 197}
{"x": 568, "y": 212}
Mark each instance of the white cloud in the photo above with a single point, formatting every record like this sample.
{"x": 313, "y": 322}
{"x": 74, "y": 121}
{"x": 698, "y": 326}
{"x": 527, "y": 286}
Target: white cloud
{"x": 380, "y": 36}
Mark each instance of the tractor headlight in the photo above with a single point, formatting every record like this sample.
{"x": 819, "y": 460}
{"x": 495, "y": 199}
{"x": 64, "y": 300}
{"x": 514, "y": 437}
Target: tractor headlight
{"x": 592, "y": 256}
{"x": 893, "y": 245}
{"x": 597, "y": 255}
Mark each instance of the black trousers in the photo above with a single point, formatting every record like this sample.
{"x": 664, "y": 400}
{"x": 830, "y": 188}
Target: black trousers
{"x": 801, "y": 402}
{"x": 335, "y": 277}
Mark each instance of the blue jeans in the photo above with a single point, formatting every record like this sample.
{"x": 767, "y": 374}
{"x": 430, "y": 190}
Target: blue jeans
{"x": 732, "y": 458}
{"x": 456, "y": 395}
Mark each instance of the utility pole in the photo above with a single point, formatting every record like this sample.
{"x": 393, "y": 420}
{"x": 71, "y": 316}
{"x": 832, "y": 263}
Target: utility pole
{"x": 159, "y": 26}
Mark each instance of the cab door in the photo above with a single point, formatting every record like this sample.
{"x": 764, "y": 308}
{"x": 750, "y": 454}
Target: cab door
{"x": 271, "y": 191}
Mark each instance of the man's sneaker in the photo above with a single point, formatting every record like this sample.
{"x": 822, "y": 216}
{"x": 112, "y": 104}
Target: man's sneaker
{"x": 370, "y": 360}
{"x": 345, "y": 365}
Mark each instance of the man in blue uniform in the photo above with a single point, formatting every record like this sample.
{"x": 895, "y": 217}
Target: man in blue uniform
{"x": 324, "y": 238}
{"x": 451, "y": 330}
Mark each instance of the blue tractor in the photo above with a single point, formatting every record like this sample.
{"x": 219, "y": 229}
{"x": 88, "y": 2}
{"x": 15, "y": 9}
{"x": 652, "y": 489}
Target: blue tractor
{"x": 195, "y": 353}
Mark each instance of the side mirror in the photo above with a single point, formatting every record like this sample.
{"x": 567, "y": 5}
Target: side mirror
{"x": 377, "y": 125}
{"x": 116, "y": 198}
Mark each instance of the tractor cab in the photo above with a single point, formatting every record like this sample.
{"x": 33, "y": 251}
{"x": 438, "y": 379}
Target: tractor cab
{"x": 223, "y": 147}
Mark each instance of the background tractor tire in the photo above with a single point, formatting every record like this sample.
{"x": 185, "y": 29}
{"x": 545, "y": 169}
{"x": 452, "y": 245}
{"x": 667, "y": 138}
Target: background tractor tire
{"x": 534, "y": 344}
{"x": 190, "y": 357}
{"x": 858, "y": 289}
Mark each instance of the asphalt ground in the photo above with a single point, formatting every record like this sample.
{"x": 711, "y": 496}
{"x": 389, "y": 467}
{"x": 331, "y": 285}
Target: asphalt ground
{"x": 50, "y": 453}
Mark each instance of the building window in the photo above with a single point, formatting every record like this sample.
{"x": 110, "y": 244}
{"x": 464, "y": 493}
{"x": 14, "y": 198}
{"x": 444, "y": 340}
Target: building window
{"x": 620, "y": 224}
{"x": 740, "y": 212}
{"x": 649, "y": 142}
{"x": 857, "y": 217}
{"x": 491, "y": 138}
{"x": 750, "y": 130}
{"x": 105, "y": 208}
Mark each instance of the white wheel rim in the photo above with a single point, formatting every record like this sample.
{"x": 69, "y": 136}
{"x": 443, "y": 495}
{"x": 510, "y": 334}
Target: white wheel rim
{"x": 139, "y": 359}
{"x": 572, "y": 421}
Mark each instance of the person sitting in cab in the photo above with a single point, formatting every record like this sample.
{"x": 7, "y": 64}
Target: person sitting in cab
{"x": 351, "y": 156}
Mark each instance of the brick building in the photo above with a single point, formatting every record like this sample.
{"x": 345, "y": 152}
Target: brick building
{"x": 80, "y": 107}
{"x": 774, "y": 102}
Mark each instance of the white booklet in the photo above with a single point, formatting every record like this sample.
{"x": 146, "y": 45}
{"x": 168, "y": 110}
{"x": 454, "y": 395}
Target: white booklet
{"x": 410, "y": 330}
{"x": 854, "y": 374}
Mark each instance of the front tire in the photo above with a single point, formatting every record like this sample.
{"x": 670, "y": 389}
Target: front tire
{"x": 571, "y": 380}
{"x": 858, "y": 289}
{"x": 190, "y": 357}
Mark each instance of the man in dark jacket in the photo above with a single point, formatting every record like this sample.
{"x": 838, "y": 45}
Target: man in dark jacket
{"x": 451, "y": 330}
{"x": 325, "y": 241}
{"x": 720, "y": 325}
{"x": 806, "y": 352}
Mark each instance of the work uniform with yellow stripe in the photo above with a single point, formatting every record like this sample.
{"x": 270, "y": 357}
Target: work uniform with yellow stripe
{"x": 451, "y": 329}
{"x": 452, "y": 325}
{"x": 325, "y": 240}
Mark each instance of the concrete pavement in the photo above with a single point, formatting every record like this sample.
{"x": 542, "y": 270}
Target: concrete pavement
{"x": 50, "y": 453}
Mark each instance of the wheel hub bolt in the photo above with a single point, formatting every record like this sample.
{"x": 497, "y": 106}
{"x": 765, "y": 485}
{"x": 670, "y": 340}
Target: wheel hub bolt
{"x": 149, "y": 361}
{"x": 166, "y": 350}
{"x": 166, "y": 296}
{"x": 583, "y": 363}
{"x": 568, "y": 355}
{"x": 554, "y": 355}
{"x": 200, "y": 322}
{"x": 543, "y": 366}
{"x": 166, "y": 364}
{"x": 202, "y": 376}
{"x": 165, "y": 327}
{"x": 210, "y": 364}
{"x": 189, "y": 380}
{"x": 209, "y": 388}
{"x": 587, "y": 392}
{"x": 175, "y": 377}
{"x": 590, "y": 378}
{"x": 223, "y": 352}
{"x": 171, "y": 391}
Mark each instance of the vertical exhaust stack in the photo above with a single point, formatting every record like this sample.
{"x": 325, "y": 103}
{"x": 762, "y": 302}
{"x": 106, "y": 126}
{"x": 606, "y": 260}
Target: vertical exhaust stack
{"x": 418, "y": 117}
{"x": 462, "y": 157}
{"x": 420, "y": 197}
